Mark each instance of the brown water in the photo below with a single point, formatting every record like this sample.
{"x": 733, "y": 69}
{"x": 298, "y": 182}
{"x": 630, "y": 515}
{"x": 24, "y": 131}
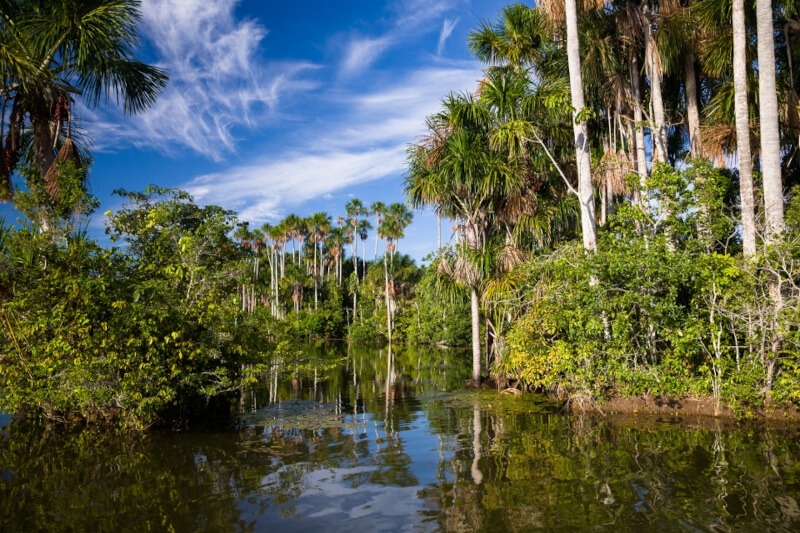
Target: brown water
{"x": 331, "y": 444}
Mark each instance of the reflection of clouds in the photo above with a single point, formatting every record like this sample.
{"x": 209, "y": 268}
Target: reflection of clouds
{"x": 329, "y": 496}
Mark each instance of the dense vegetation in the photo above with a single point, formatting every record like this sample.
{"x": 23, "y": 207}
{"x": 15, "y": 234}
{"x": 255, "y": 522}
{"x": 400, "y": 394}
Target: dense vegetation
{"x": 602, "y": 245}
{"x": 684, "y": 278}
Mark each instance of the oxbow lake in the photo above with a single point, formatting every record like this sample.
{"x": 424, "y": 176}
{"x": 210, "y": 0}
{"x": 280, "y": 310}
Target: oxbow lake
{"x": 346, "y": 440}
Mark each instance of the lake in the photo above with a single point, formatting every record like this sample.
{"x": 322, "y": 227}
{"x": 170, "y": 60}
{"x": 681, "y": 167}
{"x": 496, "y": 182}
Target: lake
{"x": 349, "y": 440}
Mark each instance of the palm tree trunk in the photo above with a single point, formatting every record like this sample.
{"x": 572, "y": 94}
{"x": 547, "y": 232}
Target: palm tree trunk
{"x": 653, "y": 63}
{"x": 770, "y": 138}
{"x": 692, "y": 107}
{"x": 742, "y": 117}
{"x": 638, "y": 128}
{"x": 476, "y": 337}
{"x": 580, "y": 131}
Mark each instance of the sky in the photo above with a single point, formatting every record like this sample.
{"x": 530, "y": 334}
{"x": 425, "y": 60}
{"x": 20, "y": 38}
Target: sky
{"x": 277, "y": 107}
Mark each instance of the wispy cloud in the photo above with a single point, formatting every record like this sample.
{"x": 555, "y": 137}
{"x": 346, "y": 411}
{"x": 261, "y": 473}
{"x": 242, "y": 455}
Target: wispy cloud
{"x": 412, "y": 14}
{"x": 412, "y": 17}
{"x": 447, "y": 29}
{"x": 361, "y": 53}
{"x": 369, "y": 145}
{"x": 217, "y": 80}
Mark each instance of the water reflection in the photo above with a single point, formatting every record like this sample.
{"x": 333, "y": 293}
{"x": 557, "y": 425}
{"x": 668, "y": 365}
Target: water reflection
{"x": 375, "y": 440}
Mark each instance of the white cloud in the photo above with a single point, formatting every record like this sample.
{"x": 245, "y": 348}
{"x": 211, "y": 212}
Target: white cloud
{"x": 369, "y": 145}
{"x": 264, "y": 190}
{"x": 447, "y": 29}
{"x": 217, "y": 80}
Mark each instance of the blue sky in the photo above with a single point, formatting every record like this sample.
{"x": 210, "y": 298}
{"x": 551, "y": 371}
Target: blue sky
{"x": 282, "y": 107}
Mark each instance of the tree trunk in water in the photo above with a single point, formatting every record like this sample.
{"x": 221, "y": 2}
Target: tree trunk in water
{"x": 770, "y": 138}
{"x": 476, "y": 337}
{"x": 580, "y": 131}
{"x": 743, "y": 129}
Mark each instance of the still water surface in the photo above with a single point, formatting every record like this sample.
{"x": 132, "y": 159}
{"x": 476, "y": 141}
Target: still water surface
{"x": 342, "y": 441}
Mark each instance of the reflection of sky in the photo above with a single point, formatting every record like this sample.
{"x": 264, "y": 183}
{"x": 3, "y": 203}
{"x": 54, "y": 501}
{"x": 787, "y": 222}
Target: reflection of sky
{"x": 375, "y": 486}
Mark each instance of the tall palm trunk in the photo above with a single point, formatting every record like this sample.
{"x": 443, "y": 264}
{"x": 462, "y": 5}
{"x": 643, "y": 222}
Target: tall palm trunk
{"x": 692, "y": 107}
{"x": 770, "y": 166}
{"x": 653, "y": 63}
{"x": 768, "y": 107}
{"x": 695, "y": 144}
{"x": 743, "y": 129}
{"x": 580, "y": 131}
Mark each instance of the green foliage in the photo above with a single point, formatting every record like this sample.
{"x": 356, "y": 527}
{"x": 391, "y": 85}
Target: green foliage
{"x": 440, "y": 312}
{"x": 140, "y": 335}
{"x": 66, "y": 209}
{"x": 657, "y": 313}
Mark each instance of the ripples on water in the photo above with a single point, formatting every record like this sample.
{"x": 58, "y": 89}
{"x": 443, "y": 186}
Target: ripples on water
{"x": 343, "y": 448}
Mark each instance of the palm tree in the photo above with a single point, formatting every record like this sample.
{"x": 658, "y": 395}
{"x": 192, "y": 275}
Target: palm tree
{"x": 377, "y": 209}
{"x": 335, "y": 245}
{"x": 470, "y": 179}
{"x": 319, "y": 225}
{"x": 355, "y": 209}
{"x": 392, "y": 228}
{"x": 53, "y": 52}
{"x": 519, "y": 43}
{"x": 363, "y": 233}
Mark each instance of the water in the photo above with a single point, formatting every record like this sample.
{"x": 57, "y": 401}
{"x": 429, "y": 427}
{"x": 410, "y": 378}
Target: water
{"x": 330, "y": 444}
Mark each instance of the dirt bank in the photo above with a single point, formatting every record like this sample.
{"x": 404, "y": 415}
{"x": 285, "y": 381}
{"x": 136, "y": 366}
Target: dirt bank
{"x": 689, "y": 406}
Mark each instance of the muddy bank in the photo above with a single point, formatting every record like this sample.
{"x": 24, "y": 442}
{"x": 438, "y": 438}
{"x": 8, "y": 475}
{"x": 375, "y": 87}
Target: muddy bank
{"x": 689, "y": 407}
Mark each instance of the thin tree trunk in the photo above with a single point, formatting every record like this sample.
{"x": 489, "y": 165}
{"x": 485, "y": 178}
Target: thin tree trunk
{"x": 316, "y": 297}
{"x": 476, "y": 337}
{"x": 638, "y": 128}
{"x": 388, "y": 301}
{"x": 742, "y": 116}
{"x": 580, "y": 131}
{"x": 438, "y": 231}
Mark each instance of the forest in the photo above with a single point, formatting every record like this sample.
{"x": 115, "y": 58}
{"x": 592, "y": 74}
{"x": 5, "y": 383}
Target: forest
{"x": 620, "y": 187}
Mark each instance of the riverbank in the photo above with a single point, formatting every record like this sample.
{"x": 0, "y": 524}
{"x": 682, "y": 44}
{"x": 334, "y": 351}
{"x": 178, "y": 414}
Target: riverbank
{"x": 689, "y": 406}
